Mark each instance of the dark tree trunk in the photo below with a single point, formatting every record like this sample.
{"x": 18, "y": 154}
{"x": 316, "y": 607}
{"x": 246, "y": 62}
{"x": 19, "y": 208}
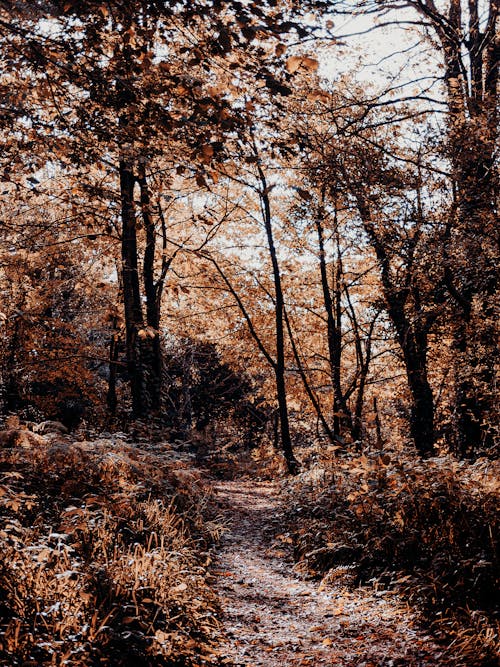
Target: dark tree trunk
{"x": 379, "y": 441}
{"x": 413, "y": 342}
{"x": 151, "y": 344}
{"x": 422, "y": 411}
{"x": 134, "y": 322}
{"x": 470, "y": 247}
{"x": 279, "y": 367}
{"x": 286, "y": 441}
{"x": 364, "y": 365}
{"x": 332, "y": 305}
{"x": 411, "y": 332}
{"x": 142, "y": 335}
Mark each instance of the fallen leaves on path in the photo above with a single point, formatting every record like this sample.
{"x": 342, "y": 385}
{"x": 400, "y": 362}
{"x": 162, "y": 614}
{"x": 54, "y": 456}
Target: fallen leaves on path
{"x": 274, "y": 616}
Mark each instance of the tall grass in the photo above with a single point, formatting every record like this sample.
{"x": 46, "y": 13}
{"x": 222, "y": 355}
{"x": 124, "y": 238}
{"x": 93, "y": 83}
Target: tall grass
{"x": 103, "y": 557}
{"x": 430, "y": 527}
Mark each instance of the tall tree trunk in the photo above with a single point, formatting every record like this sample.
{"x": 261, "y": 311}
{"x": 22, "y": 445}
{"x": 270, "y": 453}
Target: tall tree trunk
{"x": 363, "y": 360}
{"x": 134, "y": 322}
{"x": 151, "y": 344}
{"x": 411, "y": 334}
{"x": 422, "y": 411}
{"x": 470, "y": 248}
{"x": 332, "y": 305}
{"x": 379, "y": 442}
{"x": 279, "y": 367}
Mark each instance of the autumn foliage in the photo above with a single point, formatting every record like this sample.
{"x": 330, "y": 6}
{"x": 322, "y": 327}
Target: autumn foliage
{"x": 233, "y": 227}
{"x": 429, "y": 530}
{"x": 104, "y": 555}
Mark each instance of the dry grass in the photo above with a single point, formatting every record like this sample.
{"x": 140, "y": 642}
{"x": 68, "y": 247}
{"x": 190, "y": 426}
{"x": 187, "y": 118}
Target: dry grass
{"x": 104, "y": 552}
{"x": 431, "y": 528}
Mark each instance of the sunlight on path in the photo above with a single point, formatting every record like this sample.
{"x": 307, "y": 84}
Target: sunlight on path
{"x": 273, "y": 617}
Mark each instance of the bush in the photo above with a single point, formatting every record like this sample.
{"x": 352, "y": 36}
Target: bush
{"x": 103, "y": 557}
{"x": 430, "y": 526}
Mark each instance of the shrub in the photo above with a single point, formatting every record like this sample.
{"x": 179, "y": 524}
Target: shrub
{"x": 103, "y": 558}
{"x": 431, "y": 526}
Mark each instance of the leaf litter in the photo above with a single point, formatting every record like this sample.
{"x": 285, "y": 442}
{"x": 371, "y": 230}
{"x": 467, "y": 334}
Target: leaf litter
{"x": 275, "y": 615}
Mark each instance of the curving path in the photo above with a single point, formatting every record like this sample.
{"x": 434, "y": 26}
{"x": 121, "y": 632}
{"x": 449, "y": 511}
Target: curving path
{"x": 273, "y": 616}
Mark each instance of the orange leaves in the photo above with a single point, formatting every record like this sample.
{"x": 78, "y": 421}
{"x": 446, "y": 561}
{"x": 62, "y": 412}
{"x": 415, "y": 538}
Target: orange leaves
{"x": 206, "y": 153}
{"x": 294, "y": 63}
{"x": 286, "y": 538}
{"x": 207, "y": 150}
{"x": 147, "y": 332}
{"x": 318, "y": 96}
{"x": 103, "y": 8}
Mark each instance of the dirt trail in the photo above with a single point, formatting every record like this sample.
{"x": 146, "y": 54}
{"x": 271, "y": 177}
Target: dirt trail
{"x": 273, "y": 616}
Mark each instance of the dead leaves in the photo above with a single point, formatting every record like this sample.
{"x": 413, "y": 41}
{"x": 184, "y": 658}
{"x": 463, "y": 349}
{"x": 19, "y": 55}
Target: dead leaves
{"x": 308, "y": 63}
{"x": 391, "y": 512}
{"x": 274, "y": 617}
{"x": 138, "y": 547}
{"x": 147, "y": 332}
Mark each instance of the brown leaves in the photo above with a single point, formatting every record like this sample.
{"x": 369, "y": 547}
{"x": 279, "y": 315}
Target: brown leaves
{"x": 201, "y": 181}
{"x": 147, "y": 332}
{"x": 140, "y": 548}
{"x": 430, "y": 522}
{"x": 294, "y": 63}
{"x": 207, "y": 151}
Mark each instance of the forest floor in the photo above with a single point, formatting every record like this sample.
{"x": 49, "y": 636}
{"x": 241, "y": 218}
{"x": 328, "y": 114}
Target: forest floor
{"x": 274, "y": 615}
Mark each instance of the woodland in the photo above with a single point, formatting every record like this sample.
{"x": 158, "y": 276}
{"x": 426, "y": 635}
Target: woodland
{"x": 249, "y": 333}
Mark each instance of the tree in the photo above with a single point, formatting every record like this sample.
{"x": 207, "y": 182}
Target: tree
{"x": 106, "y": 96}
{"x": 464, "y": 36}
{"x": 53, "y": 305}
{"x": 358, "y": 166}
{"x": 349, "y": 321}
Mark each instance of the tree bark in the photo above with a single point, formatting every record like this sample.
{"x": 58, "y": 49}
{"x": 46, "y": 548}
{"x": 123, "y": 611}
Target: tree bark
{"x": 279, "y": 367}
{"x": 470, "y": 248}
{"x": 134, "y": 321}
{"x": 151, "y": 344}
{"x": 411, "y": 334}
{"x": 332, "y": 305}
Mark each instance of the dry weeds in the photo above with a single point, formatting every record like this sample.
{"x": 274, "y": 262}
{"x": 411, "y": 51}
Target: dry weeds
{"x": 104, "y": 556}
{"x": 430, "y": 528}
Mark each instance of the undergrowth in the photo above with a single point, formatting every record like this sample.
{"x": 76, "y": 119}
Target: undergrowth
{"x": 429, "y": 527}
{"x": 104, "y": 548}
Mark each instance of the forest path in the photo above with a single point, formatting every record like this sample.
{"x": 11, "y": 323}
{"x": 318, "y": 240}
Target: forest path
{"x": 274, "y": 616}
